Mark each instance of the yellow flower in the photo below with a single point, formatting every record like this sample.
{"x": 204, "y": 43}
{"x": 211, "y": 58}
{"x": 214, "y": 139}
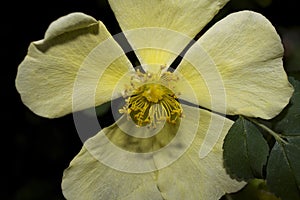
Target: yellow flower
{"x": 164, "y": 146}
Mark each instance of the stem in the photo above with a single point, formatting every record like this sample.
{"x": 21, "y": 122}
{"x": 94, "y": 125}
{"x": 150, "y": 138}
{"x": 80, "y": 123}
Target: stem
{"x": 270, "y": 131}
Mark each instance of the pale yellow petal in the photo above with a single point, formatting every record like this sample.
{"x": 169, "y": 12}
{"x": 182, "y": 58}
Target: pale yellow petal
{"x": 193, "y": 176}
{"x": 160, "y": 47}
{"x": 247, "y": 55}
{"x": 103, "y": 76}
{"x": 126, "y": 147}
{"x": 120, "y": 162}
{"x": 200, "y": 81}
{"x": 116, "y": 165}
{"x": 46, "y": 76}
{"x": 88, "y": 178}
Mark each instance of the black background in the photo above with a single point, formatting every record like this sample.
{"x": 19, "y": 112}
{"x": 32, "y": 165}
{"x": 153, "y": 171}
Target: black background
{"x": 36, "y": 150}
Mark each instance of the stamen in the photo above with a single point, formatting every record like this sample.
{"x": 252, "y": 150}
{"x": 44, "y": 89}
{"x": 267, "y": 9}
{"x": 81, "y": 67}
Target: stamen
{"x": 149, "y": 101}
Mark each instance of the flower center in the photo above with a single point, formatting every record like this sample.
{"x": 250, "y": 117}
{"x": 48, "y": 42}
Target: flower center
{"x": 149, "y": 101}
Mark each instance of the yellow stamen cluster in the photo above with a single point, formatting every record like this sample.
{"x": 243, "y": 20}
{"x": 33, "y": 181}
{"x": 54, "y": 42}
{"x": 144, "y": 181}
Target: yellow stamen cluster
{"x": 150, "y": 101}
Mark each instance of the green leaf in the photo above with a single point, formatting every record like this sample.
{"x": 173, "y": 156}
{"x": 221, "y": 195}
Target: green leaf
{"x": 287, "y": 122}
{"x": 283, "y": 170}
{"x": 245, "y": 151}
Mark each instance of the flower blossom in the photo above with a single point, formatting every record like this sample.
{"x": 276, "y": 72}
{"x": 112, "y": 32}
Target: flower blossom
{"x": 167, "y": 142}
